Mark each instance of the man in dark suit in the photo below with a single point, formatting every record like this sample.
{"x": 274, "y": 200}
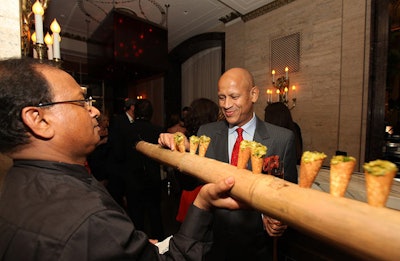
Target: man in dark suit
{"x": 143, "y": 183}
{"x": 120, "y": 151}
{"x": 244, "y": 234}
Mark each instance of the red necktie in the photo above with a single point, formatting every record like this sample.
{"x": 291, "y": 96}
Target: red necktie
{"x": 236, "y": 147}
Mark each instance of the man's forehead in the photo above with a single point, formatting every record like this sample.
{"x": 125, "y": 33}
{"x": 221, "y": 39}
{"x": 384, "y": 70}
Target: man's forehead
{"x": 234, "y": 83}
{"x": 61, "y": 83}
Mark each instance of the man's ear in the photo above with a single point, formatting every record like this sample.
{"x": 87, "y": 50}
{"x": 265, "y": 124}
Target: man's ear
{"x": 255, "y": 92}
{"x": 35, "y": 119}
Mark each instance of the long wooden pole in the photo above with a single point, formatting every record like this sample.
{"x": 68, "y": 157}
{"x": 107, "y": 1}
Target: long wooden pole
{"x": 368, "y": 232}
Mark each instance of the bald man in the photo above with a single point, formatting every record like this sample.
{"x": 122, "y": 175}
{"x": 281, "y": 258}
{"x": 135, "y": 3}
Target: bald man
{"x": 243, "y": 234}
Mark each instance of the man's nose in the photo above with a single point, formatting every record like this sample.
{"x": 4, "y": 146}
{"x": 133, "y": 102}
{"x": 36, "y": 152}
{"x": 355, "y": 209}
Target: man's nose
{"x": 94, "y": 112}
{"x": 227, "y": 103}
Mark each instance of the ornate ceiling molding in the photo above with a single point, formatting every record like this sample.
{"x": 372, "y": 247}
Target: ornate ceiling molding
{"x": 265, "y": 9}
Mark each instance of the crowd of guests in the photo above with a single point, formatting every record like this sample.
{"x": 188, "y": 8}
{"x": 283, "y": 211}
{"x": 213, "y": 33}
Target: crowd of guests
{"x": 51, "y": 207}
{"x": 140, "y": 193}
{"x": 131, "y": 179}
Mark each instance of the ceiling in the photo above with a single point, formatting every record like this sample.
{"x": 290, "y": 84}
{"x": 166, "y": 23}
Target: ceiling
{"x": 182, "y": 18}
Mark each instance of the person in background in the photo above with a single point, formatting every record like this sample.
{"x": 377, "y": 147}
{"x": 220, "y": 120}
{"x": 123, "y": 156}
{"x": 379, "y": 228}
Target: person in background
{"x": 143, "y": 184}
{"x": 120, "y": 151}
{"x": 279, "y": 114}
{"x": 170, "y": 183}
{"x": 175, "y": 124}
{"x": 185, "y": 111}
{"x": 243, "y": 234}
{"x": 202, "y": 111}
{"x": 51, "y": 208}
{"x": 176, "y": 121}
{"x": 97, "y": 160}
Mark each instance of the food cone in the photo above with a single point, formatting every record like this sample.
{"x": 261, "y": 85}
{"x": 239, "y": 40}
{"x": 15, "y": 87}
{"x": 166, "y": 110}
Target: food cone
{"x": 244, "y": 154}
{"x": 311, "y": 163}
{"x": 193, "y": 144}
{"x": 193, "y": 148}
{"x": 203, "y": 145}
{"x": 378, "y": 188}
{"x": 340, "y": 174}
{"x": 179, "y": 139}
{"x": 256, "y": 164}
{"x": 181, "y": 147}
{"x": 258, "y": 152}
{"x": 379, "y": 175}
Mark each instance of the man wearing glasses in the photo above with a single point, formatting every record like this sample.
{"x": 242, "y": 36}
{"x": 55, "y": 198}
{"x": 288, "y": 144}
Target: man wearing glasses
{"x": 86, "y": 103}
{"x": 51, "y": 208}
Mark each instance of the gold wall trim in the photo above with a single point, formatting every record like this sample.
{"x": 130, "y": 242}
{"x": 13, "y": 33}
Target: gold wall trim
{"x": 265, "y": 9}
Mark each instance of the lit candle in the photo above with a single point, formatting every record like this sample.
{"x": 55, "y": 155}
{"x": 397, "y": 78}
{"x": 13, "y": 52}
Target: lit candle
{"x": 33, "y": 37}
{"x": 273, "y": 75}
{"x": 269, "y": 95}
{"x": 287, "y": 72}
{"x": 49, "y": 42}
{"x": 37, "y": 9}
{"x": 277, "y": 95}
{"x": 294, "y": 91}
{"x": 56, "y": 29}
{"x": 285, "y": 95}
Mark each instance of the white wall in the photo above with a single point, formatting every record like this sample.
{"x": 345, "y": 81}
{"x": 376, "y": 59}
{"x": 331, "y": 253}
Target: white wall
{"x": 10, "y": 29}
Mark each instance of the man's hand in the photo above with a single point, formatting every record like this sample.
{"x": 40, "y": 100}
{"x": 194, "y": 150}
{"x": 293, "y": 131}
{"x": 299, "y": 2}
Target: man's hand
{"x": 274, "y": 228}
{"x": 217, "y": 195}
{"x": 166, "y": 140}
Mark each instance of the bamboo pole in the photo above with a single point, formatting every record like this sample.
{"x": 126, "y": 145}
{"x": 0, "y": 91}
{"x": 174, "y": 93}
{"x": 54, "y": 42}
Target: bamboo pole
{"x": 368, "y": 232}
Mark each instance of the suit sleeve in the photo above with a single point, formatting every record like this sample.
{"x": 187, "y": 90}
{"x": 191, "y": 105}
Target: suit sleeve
{"x": 110, "y": 235}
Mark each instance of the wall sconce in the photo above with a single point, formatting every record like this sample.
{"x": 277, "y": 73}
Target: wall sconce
{"x": 282, "y": 90}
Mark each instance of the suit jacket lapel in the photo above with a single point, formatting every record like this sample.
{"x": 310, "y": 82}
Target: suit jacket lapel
{"x": 221, "y": 145}
{"x": 261, "y": 134}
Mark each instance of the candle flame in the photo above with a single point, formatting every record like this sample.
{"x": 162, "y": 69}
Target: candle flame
{"x": 55, "y": 27}
{"x": 48, "y": 39}
{"x": 293, "y": 88}
{"x": 33, "y": 37}
{"x": 286, "y": 69}
{"x": 37, "y": 8}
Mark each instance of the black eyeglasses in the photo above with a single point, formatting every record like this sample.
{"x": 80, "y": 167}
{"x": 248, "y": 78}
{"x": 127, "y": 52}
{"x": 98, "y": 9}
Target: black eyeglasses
{"x": 86, "y": 103}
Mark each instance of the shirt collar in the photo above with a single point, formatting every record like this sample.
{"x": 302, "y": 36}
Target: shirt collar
{"x": 249, "y": 128}
{"x": 55, "y": 168}
{"x": 129, "y": 117}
